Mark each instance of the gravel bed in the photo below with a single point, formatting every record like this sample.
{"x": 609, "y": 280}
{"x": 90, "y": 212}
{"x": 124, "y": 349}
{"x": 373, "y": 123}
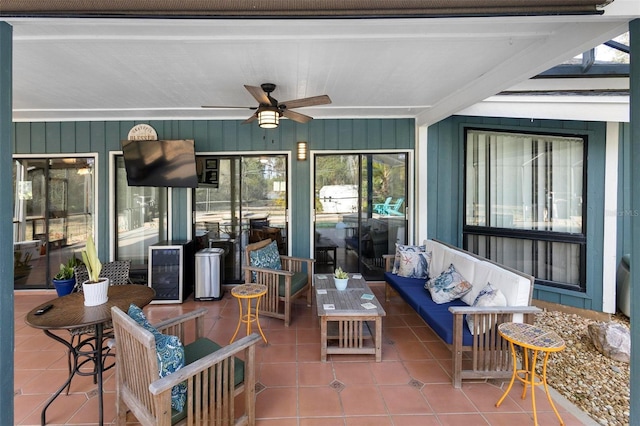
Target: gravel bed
{"x": 596, "y": 384}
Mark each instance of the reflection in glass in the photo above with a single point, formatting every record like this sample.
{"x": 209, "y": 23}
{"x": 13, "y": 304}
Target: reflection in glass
{"x": 141, "y": 215}
{"x": 360, "y": 202}
{"x": 53, "y": 215}
{"x": 239, "y": 200}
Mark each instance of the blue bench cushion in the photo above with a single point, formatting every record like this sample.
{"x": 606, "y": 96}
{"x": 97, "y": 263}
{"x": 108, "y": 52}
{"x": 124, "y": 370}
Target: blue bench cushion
{"x": 437, "y": 316}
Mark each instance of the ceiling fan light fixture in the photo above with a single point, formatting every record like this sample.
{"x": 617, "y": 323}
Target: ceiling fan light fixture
{"x": 268, "y": 118}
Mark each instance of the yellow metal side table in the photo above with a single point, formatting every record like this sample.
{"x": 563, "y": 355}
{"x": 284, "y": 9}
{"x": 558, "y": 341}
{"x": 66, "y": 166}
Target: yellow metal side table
{"x": 531, "y": 339}
{"x": 248, "y": 292}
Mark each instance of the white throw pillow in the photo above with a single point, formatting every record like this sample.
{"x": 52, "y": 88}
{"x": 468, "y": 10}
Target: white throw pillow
{"x": 403, "y": 248}
{"x": 488, "y": 296}
{"x": 414, "y": 265}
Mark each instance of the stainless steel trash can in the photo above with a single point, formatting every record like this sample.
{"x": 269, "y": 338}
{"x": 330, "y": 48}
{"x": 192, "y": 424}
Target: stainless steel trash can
{"x": 209, "y": 274}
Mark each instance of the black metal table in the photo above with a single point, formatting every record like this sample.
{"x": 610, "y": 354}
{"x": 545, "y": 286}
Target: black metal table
{"x": 69, "y": 313}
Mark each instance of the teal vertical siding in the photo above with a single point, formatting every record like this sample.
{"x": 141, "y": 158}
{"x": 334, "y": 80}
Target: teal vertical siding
{"x": 624, "y": 210}
{"x": 634, "y": 185}
{"x": 445, "y": 199}
{"x": 7, "y": 325}
{"x": 218, "y": 137}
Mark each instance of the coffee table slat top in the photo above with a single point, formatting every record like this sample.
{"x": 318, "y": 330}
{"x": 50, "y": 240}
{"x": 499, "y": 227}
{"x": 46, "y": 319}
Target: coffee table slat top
{"x": 346, "y": 302}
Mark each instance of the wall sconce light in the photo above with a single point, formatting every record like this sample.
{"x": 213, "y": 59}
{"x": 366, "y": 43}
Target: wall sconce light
{"x": 302, "y": 151}
{"x": 268, "y": 117}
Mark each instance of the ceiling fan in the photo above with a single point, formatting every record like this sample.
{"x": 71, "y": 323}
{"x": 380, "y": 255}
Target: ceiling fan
{"x": 269, "y": 110}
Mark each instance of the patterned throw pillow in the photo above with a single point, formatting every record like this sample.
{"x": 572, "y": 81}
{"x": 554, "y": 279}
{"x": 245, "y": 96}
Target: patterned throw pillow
{"x": 450, "y": 285}
{"x": 170, "y": 353}
{"x": 404, "y": 248}
{"x": 488, "y": 296}
{"x": 266, "y": 257}
{"x": 138, "y": 316}
{"x": 414, "y": 265}
{"x": 171, "y": 359}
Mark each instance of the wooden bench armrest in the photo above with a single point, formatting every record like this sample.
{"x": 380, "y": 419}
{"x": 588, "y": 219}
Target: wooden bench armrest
{"x": 166, "y": 383}
{"x": 388, "y": 261}
{"x": 461, "y": 310}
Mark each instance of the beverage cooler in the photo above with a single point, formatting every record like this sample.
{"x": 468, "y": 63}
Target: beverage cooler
{"x": 171, "y": 266}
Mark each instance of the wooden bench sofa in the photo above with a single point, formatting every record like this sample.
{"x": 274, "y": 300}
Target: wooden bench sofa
{"x": 484, "y": 355}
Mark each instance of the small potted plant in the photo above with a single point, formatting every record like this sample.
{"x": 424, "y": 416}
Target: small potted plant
{"x": 95, "y": 288}
{"x": 341, "y": 278}
{"x": 65, "y": 280}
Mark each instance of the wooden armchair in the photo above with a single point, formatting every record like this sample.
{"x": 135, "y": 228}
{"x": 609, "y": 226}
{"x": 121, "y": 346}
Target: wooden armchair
{"x": 283, "y": 285}
{"x": 213, "y": 374}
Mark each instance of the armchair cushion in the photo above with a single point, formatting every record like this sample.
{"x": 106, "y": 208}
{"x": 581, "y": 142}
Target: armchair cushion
{"x": 203, "y": 347}
{"x": 198, "y": 350}
{"x": 267, "y": 257}
{"x": 298, "y": 281}
{"x": 170, "y": 353}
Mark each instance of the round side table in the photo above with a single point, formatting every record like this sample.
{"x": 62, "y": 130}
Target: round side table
{"x": 248, "y": 292}
{"x": 531, "y": 339}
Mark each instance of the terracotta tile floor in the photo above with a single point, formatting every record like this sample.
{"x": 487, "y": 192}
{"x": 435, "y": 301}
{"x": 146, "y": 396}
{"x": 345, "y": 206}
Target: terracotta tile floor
{"x": 411, "y": 386}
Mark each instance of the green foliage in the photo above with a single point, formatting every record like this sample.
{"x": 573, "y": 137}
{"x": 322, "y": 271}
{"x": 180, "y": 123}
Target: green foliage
{"x": 91, "y": 261}
{"x": 340, "y": 274}
{"x": 66, "y": 270}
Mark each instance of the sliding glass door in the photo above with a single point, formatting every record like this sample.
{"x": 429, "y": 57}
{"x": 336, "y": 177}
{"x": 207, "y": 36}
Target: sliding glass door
{"x": 53, "y": 215}
{"x": 240, "y": 200}
{"x": 360, "y": 202}
{"x": 141, "y": 218}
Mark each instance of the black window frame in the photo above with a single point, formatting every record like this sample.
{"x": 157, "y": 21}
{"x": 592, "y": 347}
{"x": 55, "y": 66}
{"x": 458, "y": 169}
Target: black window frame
{"x": 546, "y": 236}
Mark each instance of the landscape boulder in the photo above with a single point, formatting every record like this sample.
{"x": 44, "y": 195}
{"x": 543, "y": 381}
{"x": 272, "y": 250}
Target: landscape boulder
{"x": 612, "y": 339}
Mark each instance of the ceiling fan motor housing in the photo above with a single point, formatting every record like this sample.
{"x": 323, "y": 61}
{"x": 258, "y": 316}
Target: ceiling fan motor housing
{"x": 268, "y": 87}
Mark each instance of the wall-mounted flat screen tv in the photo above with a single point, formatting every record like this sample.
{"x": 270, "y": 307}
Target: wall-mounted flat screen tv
{"x": 169, "y": 163}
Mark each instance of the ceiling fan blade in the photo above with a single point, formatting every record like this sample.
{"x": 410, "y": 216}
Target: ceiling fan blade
{"x": 250, "y": 119}
{"x": 314, "y": 100}
{"x": 258, "y": 94}
{"x": 296, "y": 116}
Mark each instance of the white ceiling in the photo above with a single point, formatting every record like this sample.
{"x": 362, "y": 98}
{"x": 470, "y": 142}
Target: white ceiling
{"x": 428, "y": 69}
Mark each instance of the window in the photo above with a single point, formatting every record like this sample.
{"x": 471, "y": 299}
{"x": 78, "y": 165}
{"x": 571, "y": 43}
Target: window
{"x": 52, "y": 215}
{"x": 524, "y": 203}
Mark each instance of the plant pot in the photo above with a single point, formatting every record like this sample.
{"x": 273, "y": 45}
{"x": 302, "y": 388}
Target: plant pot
{"x": 64, "y": 287}
{"x": 95, "y": 293}
{"x": 341, "y": 283}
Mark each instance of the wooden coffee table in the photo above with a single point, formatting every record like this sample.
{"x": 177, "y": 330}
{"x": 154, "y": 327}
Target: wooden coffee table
{"x": 347, "y": 327}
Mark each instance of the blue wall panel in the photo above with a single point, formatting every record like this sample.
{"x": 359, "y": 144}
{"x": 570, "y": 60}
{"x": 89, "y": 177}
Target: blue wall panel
{"x": 445, "y": 174}
{"x": 218, "y": 137}
{"x": 624, "y": 210}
